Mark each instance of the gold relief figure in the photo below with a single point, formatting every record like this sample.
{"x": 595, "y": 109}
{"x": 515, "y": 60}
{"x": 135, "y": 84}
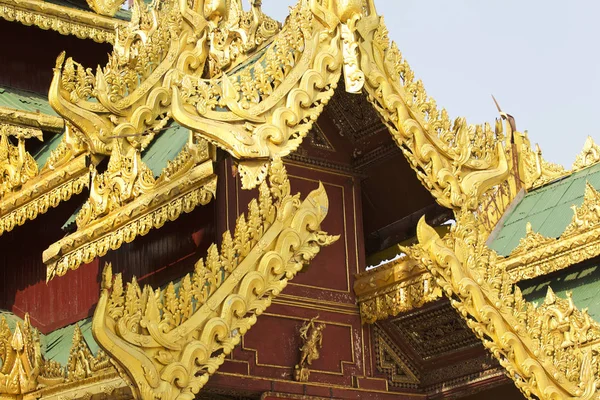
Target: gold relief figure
{"x": 311, "y": 335}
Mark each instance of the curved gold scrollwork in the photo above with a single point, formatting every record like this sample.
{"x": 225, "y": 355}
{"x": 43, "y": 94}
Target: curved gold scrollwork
{"x": 169, "y": 342}
{"x": 542, "y": 348}
{"x": 455, "y": 161}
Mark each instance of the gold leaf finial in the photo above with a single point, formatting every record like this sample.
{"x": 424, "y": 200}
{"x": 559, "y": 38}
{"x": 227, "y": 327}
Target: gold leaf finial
{"x": 589, "y": 156}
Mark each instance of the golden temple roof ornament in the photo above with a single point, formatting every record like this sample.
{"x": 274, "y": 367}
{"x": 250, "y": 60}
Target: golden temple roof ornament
{"x": 23, "y": 367}
{"x": 590, "y": 155}
{"x": 82, "y": 363}
{"x": 169, "y": 342}
{"x": 126, "y": 201}
{"x": 64, "y": 174}
{"x": 537, "y": 255}
{"x": 537, "y": 346}
{"x": 17, "y": 166}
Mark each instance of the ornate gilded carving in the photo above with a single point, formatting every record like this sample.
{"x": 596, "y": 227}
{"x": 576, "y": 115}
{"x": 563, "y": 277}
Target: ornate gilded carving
{"x": 586, "y": 216}
{"x": 527, "y": 341}
{"x": 82, "y": 363}
{"x": 311, "y": 336}
{"x": 531, "y": 241}
{"x": 536, "y": 171}
{"x": 65, "y": 20}
{"x": 126, "y": 202}
{"x": 170, "y": 341}
{"x": 396, "y": 287}
{"x": 23, "y": 367}
{"x": 537, "y": 255}
{"x": 590, "y": 155}
{"x": 17, "y": 166}
{"x": 456, "y": 162}
{"x": 392, "y": 362}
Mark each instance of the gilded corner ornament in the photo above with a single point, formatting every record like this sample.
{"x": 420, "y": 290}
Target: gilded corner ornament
{"x": 169, "y": 341}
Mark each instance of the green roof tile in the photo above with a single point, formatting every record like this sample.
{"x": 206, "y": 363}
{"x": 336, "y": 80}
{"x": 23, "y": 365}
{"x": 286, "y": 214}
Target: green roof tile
{"x": 42, "y": 154}
{"x": 548, "y": 209}
{"x": 583, "y": 281}
{"x": 57, "y": 344}
{"x": 165, "y": 147}
{"x": 25, "y": 100}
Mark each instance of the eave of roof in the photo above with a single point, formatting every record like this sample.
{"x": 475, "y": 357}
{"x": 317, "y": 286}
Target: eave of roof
{"x": 63, "y": 19}
{"x": 186, "y": 180}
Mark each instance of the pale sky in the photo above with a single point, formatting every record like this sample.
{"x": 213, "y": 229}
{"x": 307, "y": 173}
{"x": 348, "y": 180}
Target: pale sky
{"x": 539, "y": 58}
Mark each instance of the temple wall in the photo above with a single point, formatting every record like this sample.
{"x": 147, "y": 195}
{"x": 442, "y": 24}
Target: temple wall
{"x": 265, "y": 359}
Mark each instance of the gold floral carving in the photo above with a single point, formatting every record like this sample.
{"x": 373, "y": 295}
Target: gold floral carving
{"x": 65, "y": 20}
{"x": 82, "y": 363}
{"x": 23, "y": 367}
{"x": 126, "y": 202}
{"x": 398, "y": 286}
{"x": 456, "y": 162}
{"x": 537, "y": 255}
{"x": 536, "y": 346}
{"x": 311, "y": 336}
{"x": 170, "y": 341}
{"x": 17, "y": 166}
{"x": 590, "y": 155}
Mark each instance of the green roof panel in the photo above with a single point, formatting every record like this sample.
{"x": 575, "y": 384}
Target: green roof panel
{"x": 583, "y": 281}
{"x": 165, "y": 147}
{"x": 25, "y": 100}
{"x": 547, "y": 208}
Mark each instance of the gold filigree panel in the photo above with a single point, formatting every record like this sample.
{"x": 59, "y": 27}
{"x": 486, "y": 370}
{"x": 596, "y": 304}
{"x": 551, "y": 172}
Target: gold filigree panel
{"x": 396, "y": 287}
{"x": 534, "y": 345}
{"x": 169, "y": 342}
{"x": 126, "y": 202}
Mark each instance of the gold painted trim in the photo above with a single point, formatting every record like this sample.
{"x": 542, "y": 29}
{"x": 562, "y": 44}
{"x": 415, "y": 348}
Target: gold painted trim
{"x": 64, "y": 20}
{"x": 43, "y": 192}
{"x": 32, "y": 119}
{"x": 395, "y": 287}
{"x": 149, "y": 211}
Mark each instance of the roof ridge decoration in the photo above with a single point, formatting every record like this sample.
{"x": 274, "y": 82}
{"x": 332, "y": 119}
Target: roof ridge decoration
{"x": 17, "y": 166}
{"x": 64, "y": 20}
{"x": 258, "y": 99}
{"x": 170, "y": 61}
{"x": 169, "y": 342}
{"x": 25, "y": 370}
{"x": 542, "y": 348}
{"x": 126, "y": 202}
{"x": 589, "y": 156}
{"x": 579, "y": 241}
{"x": 23, "y": 367}
{"x": 64, "y": 174}
{"x": 531, "y": 241}
{"x": 537, "y": 171}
